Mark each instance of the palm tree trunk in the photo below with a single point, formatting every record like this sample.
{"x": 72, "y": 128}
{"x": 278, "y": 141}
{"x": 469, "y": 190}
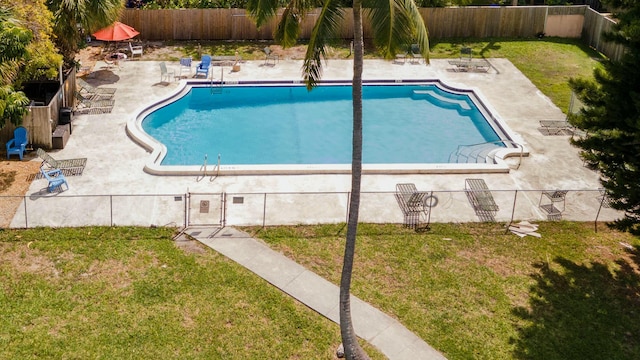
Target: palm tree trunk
{"x": 352, "y": 349}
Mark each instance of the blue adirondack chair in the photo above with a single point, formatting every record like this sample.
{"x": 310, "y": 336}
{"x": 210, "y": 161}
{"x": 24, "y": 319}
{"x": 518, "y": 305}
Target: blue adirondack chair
{"x": 203, "y": 67}
{"x": 18, "y": 144}
{"x": 55, "y": 178}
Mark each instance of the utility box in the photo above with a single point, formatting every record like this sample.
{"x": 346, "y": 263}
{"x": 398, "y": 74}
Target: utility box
{"x": 60, "y": 136}
{"x": 64, "y": 117}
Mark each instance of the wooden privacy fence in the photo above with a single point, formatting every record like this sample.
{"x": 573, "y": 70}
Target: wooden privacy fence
{"x": 595, "y": 25}
{"x": 235, "y": 24}
{"x": 42, "y": 119}
{"x": 473, "y": 22}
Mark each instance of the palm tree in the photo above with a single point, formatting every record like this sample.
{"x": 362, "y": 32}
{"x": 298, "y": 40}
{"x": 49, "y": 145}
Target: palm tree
{"x": 395, "y": 24}
{"x": 74, "y": 16}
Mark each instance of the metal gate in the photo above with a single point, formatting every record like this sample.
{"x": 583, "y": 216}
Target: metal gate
{"x": 206, "y": 209}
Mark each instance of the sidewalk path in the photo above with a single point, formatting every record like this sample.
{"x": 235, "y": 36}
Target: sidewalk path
{"x": 377, "y": 328}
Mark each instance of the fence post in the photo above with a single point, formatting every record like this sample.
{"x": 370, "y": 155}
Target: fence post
{"x": 111, "y": 209}
{"x": 513, "y": 211}
{"x": 346, "y": 219}
{"x": 185, "y": 210}
{"x": 264, "y": 210}
{"x": 26, "y": 220}
{"x": 595, "y": 222}
{"x": 223, "y": 210}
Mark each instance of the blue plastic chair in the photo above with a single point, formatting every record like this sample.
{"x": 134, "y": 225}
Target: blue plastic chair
{"x": 55, "y": 179}
{"x": 18, "y": 144}
{"x": 185, "y": 63}
{"x": 203, "y": 67}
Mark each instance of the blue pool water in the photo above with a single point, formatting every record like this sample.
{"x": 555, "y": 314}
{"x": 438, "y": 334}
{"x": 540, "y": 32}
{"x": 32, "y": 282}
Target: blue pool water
{"x": 402, "y": 124}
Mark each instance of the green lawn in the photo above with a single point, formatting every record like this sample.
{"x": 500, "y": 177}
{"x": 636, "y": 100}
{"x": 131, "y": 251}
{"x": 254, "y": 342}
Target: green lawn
{"x": 130, "y": 293}
{"x": 474, "y": 292}
{"x": 469, "y": 290}
{"x": 549, "y": 63}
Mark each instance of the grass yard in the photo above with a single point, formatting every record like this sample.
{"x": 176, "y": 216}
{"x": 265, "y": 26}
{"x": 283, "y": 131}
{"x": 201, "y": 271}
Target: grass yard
{"x": 549, "y": 62}
{"x": 474, "y": 292}
{"x": 131, "y": 293}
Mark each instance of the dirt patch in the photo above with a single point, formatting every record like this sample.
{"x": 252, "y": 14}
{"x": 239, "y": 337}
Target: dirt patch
{"x": 109, "y": 271}
{"x": 501, "y": 265}
{"x": 173, "y": 51}
{"x": 15, "y": 179}
{"x": 25, "y": 260}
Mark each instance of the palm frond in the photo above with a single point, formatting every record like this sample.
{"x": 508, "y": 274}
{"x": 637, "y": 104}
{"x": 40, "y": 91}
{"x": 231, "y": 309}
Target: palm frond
{"x": 101, "y": 13}
{"x": 390, "y": 24}
{"x": 290, "y": 24}
{"x": 262, "y": 10}
{"x": 9, "y": 71}
{"x": 421, "y": 33}
{"x": 326, "y": 28}
{"x": 288, "y": 28}
{"x": 395, "y": 25}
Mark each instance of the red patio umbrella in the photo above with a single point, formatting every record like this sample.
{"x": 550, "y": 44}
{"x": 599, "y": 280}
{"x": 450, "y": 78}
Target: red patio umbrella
{"x": 116, "y": 32}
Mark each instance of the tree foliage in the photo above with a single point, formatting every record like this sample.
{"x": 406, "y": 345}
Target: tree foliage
{"x": 75, "y": 18}
{"x": 27, "y": 53}
{"x": 41, "y": 59}
{"x": 14, "y": 40}
{"x": 611, "y": 118}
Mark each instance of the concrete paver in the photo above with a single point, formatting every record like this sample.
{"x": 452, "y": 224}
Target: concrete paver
{"x": 377, "y": 328}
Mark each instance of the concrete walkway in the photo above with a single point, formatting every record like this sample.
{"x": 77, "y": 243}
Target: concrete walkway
{"x": 377, "y": 328}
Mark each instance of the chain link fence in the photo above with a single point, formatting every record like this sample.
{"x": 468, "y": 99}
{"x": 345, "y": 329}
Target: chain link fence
{"x": 269, "y": 209}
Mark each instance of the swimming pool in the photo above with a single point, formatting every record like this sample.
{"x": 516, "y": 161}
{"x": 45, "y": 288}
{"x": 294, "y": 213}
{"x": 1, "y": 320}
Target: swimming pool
{"x": 277, "y": 127}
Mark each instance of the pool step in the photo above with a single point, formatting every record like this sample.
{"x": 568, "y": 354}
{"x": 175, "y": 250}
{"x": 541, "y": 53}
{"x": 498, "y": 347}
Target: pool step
{"x": 478, "y": 153}
{"x": 458, "y": 103}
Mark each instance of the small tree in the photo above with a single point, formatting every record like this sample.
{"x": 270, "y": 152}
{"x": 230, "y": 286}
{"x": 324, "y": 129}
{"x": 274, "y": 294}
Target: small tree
{"x": 70, "y": 16}
{"x": 41, "y": 59}
{"x": 14, "y": 40}
{"x": 611, "y": 118}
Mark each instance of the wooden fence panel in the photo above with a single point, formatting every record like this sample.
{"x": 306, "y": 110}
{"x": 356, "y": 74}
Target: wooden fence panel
{"x": 478, "y": 22}
{"x": 565, "y": 26}
{"x": 308, "y": 22}
{"x": 187, "y": 24}
{"x": 526, "y": 23}
{"x": 38, "y": 125}
{"x": 217, "y": 24}
{"x": 235, "y": 24}
{"x": 41, "y": 120}
{"x": 463, "y": 22}
{"x": 594, "y": 25}
{"x": 567, "y": 10}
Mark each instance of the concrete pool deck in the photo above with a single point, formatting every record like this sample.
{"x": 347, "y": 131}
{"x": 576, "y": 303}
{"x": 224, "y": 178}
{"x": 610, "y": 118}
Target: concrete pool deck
{"x": 115, "y": 162}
